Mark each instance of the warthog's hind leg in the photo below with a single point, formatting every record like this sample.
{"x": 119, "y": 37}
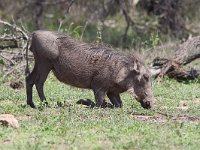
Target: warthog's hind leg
{"x": 43, "y": 71}
{"x": 29, "y": 86}
{"x": 38, "y": 77}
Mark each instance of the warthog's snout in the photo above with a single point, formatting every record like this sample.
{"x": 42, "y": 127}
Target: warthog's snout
{"x": 147, "y": 104}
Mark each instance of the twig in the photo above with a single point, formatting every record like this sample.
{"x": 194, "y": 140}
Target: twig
{"x": 55, "y": 2}
{"x": 7, "y": 37}
{"x": 15, "y": 68}
{"x": 9, "y": 46}
{"x": 30, "y": 56}
{"x": 7, "y": 59}
{"x": 15, "y": 28}
{"x": 19, "y": 39}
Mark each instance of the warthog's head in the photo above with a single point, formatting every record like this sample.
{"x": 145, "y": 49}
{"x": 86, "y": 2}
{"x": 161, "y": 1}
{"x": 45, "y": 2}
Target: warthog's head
{"x": 138, "y": 82}
{"x": 142, "y": 86}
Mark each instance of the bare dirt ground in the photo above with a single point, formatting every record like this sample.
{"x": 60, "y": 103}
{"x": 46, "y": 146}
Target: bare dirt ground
{"x": 162, "y": 118}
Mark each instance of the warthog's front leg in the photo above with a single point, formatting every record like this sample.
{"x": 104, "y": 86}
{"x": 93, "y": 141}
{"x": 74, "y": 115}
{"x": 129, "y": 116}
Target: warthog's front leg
{"x": 100, "y": 97}
{"x": 115, "y": 99}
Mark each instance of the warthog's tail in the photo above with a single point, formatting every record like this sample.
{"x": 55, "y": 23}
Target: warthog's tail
{"x": 27, "y": 70}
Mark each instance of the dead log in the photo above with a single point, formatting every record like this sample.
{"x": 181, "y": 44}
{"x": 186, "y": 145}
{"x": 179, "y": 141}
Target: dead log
{"x": 176, "y": 73}
{"x": 189, "y": 59}
{"x": 173, "y": 66}
{"x": 181, "y": 74}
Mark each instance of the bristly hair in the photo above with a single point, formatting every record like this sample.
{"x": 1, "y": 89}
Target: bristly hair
{"x": 131, "y": 54}
{"x": 135, "y": 56}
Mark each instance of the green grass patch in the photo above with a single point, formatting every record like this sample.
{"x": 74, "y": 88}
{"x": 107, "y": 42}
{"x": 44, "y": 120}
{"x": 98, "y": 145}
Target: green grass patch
{"x": 174, "y": 124}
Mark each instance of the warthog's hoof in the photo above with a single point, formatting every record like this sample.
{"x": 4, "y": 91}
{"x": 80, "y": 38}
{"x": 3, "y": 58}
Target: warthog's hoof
{"x": 31, "y": 104}
{"x": 105, "y": 105}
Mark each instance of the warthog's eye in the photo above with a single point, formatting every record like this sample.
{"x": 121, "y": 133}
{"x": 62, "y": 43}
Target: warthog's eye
{"x": 146, "y": 77}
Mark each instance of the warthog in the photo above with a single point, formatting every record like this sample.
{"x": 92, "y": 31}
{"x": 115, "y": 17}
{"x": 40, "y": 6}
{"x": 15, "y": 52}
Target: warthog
{"x": 102, "y": 69}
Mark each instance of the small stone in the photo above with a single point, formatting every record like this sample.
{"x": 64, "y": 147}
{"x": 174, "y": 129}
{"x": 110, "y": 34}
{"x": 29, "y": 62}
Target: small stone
{"x": 9, "y": 120}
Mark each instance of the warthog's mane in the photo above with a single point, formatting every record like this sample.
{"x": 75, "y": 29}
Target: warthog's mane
{"x": 101, "y": 50}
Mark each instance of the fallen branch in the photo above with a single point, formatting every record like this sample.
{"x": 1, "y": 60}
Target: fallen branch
{"x": 182, "y": 53}
{"x": 172, "y": 67}
{"x": 189, "y": 59}
{"x": 181, "y": 74}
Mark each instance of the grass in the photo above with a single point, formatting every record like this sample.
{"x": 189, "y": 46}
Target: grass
{"x": 66, "y": 125}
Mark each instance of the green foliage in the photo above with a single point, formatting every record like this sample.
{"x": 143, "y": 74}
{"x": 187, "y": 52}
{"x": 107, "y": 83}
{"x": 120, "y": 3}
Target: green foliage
{"x": 112, "y": 36}
{"x": 72, "y": 30}
{"x": 99, "y": 34}
{"x": 2, "y": 62}
{"x": 90, "y": 33}
{"x": 153, "y": 41}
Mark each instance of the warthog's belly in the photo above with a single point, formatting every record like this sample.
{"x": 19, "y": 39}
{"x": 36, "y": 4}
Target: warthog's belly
{"x": 72, "y": 75}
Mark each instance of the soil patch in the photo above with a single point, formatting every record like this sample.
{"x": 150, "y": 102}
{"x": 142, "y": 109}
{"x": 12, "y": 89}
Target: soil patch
{"x": 158, "y": 118}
